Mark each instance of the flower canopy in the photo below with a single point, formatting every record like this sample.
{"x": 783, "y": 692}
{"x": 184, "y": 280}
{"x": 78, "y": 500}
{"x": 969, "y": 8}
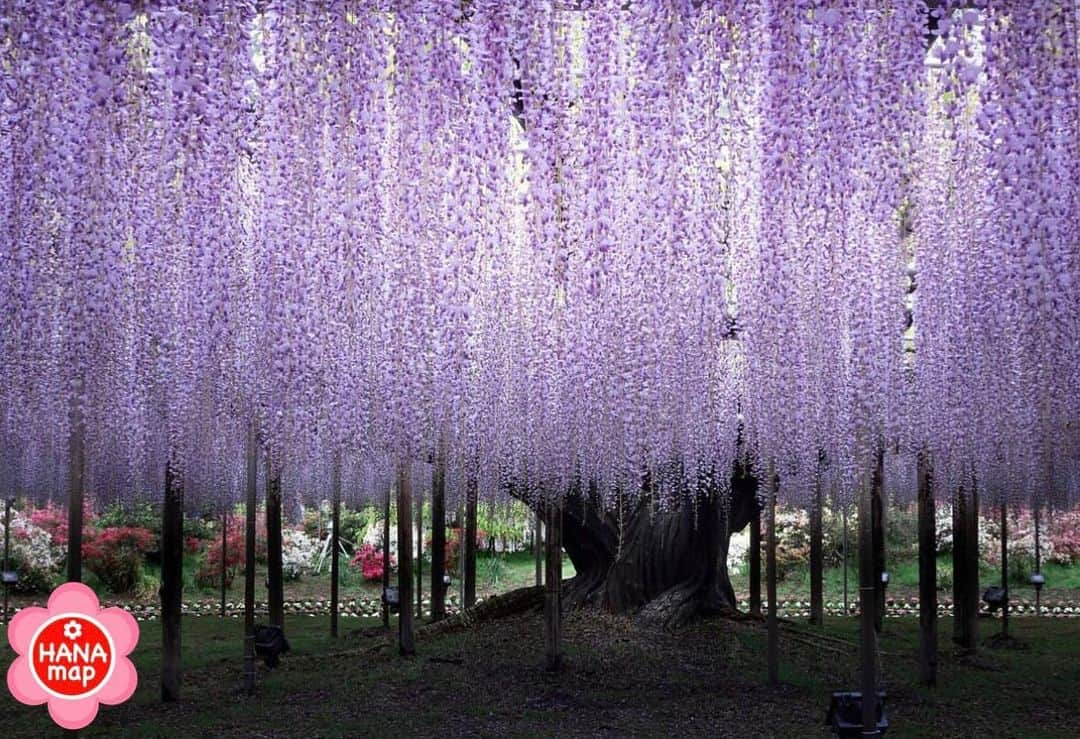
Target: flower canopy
{"x": 616, "y": 242}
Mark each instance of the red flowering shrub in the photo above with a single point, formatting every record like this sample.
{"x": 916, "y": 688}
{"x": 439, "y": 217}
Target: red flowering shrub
{"x": 369, "y": 560}
{"x": 208, "y": 573}
{"x": 192, "y": 544}
{"x": 115, "y": 555}
{"x": 54, "y": 520}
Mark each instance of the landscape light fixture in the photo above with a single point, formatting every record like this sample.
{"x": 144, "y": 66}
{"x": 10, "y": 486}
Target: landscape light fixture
{"x": 392, "y": 599}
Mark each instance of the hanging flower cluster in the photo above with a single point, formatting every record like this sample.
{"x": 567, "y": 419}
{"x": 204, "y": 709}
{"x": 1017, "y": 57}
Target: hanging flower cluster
{"x": 557, "y": 244}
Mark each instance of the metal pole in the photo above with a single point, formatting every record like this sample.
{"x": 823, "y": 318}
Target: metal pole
{"x": 386, "y": 559}
{"x": 249, "y": 561}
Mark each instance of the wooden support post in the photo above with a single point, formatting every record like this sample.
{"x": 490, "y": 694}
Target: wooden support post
{"x": 877, "y": 514}
{"x": 335, "y": 546}
{"x": 971, "y": 568}
{"x": 7, "y": 553}
{"x": 553, "y": 588}
{"x": 386, "y": 559}
{"x": 420, "y": 555}
{"x": 224, "y": 554}
{"x": 966, "y": 569}
{"x": 172, "y": 585}
{"x": 817, "y": 559}
{"x": 76, "y": 493}
{"x": 755, "y": 561}
{"x": 928, "y": 633}
{"x": 406, "y": 643}
{"x": 274, "y": 576}
{"x": 249, "y": 559}
{"x": 927, "y": 573}
{"x": 843, "y": 512}
{"x": 438, "y": 539}
{"x": 469, "y": 545}
{"x": 773, "y": 644}
{"x": 1038, "y": 559}
{"x": 538, "y": 557}
{"x": 867, "y": 604}
{"x": 1005, "y": 567}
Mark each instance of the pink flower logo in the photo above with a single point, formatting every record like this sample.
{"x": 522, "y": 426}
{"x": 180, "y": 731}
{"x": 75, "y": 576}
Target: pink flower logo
{"x": 73, "y": 655}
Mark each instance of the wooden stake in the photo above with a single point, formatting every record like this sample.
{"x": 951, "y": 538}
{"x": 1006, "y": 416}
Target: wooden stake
{"x": 172, "y": 576}
{"x": 469, "y": 545}
{"x": 877, "y": 514}
{"x": 386, "y": 559}
{"x": 553, "y": 589}
{"x": 275, "y": 576}
{"x": 817, "y": 560}
{"x": 773, "y": 645}
{"x": 249, "y": 559}
{"x": 76, "y": 493}
{"x": 755, "y": 562}
{"x": 867, "y": 603}
{"x": 1005, "y": 568}
{"x": 420, "y": 555}
{"x": 538, "y": 557}
{"x": 406, "y": 643}
{"x": 335, "y": 554}
{"x": 224, "y": 554}
{"x": 438, "y": 539}
{"x": 928, "y": 630}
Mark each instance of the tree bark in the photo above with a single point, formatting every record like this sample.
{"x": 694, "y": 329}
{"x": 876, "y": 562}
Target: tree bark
{"x": 669, "y": 566}
{"x": 817, "y": 560}
{"x": 249, "y": 559}
{"x": 406, "y": 642}
{"x": 553, "y": 589}
{"x": 335, "y": 525}
{"x": 468, "y": 547}
{"x": 438, "y": 540}
{"x": 275, "y": 577}
{"x": 172, "y": 586}
{"x": 76, "y": 493}
{"x": 928, "y": 630}
{"x": 755, "y": 562}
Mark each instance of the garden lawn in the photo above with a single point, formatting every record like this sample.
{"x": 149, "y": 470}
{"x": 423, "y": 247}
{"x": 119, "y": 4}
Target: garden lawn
{"x": 620, "y": 680}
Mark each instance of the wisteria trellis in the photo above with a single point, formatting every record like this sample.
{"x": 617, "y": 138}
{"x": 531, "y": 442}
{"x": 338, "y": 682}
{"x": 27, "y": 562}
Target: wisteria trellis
{"x": 568, "y": 240}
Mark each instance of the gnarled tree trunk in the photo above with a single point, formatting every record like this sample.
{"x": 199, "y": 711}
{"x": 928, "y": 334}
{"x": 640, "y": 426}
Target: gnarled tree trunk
{"x": 668, "y": 565}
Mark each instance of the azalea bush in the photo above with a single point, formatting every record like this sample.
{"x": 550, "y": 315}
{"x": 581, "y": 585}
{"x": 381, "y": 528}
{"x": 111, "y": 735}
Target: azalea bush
{"x": 115, "y": 555}
{"x": 1063, "y": 535}
{"x": 368, "y": 559}
{"x": 34, "y": 555}
{"x": 298, "y": 553}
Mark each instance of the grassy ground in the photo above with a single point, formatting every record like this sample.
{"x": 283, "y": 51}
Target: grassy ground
{"x": 620, "y": 680}
{"x": 1063, "y": 583}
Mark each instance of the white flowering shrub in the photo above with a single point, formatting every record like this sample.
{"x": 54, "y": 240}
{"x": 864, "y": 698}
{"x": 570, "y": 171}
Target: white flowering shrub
{"x": 33, "y": 555}
{"x": 298, "y": 553}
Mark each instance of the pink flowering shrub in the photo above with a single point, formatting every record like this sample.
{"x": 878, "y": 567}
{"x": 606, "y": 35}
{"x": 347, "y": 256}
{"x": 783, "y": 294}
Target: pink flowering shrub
{"x": 369, "y": 560}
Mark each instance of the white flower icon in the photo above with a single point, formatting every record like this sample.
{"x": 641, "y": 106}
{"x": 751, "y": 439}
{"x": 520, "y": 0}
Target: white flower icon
{"x": 72, "y": 630}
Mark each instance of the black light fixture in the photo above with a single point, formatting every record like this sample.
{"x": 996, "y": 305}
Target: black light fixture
{"x": 270, "y": 644}
{"x": 392, "y": 599}
{"x": 994, "y": 597}
{"x": 1038, "y": 580}
{"x": 845, "y": 714}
